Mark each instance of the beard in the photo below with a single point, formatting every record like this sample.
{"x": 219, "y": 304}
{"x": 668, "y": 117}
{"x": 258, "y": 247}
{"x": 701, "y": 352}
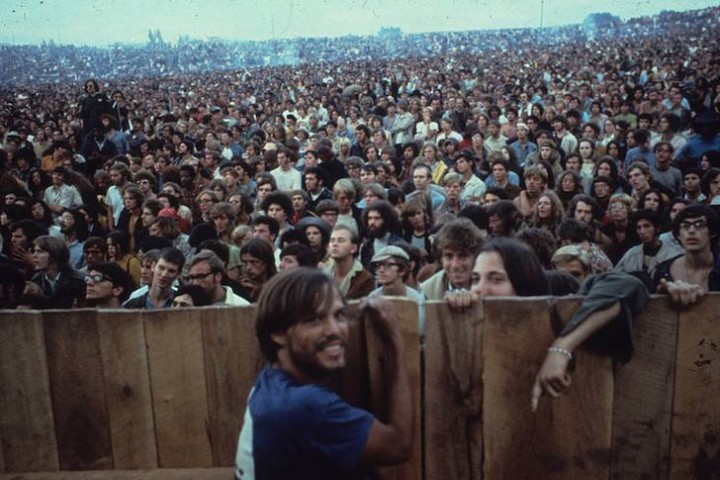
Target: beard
{"x": 377, "y": 232}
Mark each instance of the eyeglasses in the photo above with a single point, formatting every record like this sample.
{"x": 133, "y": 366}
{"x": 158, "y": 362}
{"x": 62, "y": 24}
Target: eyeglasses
{"x": 385, "y": 265}
{"x": 199, "y": 276}
{"x": 97, "y": 278}
{"x": 697, "y": 225}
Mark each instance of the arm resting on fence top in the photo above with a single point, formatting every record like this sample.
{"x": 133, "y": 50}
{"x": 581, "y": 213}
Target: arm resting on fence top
{"x": 606, "y": 315}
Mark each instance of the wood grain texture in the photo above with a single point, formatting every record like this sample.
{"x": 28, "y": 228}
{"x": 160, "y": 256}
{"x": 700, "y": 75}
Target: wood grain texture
{"x": 179, "y": 392}
{"x": 642, "y": 410}
{"x": 27, "y": 431}
{"x": 353, "y": 383}
{"x": 127, "y": 384}
{"x": 569, "y": 437}
{"x": 407, "y": 313}
{"x": 695, "y": 441}
{"x": 453, "y": 393}
{"x": 78, "y": 390}
{"x": 155, "y": 474}
{"x": 232, "y": 361}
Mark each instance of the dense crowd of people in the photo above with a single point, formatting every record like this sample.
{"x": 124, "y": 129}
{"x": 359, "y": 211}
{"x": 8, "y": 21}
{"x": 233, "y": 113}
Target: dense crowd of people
{"x": 387, "y": 162}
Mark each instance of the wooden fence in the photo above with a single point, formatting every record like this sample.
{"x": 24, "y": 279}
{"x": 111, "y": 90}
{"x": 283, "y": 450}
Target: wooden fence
{"x": 90, "y": 394}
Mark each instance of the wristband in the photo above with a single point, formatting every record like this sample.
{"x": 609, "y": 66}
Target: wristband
{"x": 561, "y": 351}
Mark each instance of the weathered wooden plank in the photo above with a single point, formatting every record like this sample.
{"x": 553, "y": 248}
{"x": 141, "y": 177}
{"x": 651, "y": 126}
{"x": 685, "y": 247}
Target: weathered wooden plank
{"x": 453, "y": 393}
{"x": 568, "y": 438}
{"x": 78, "y": 390}
{"x": 156, "y": 474}
{"x": 407, "y": 311}
{"x": 695, "y": 440}
{"x": 232, "y": 361}
{"x": 179, "y": 393}
{"x": 642, "y": 410}
{"x": 353, "y": 383}
{"x": 27, "y": 431}
{"x": 127, "y": 385}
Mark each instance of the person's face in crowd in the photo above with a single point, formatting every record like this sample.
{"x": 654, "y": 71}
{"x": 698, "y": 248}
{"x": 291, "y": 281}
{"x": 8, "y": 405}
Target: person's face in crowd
{"x": 452, "y": 190}
{"x": 638, "y": 180}
{"x": 288, "y": 262}
{"x": 262, "y": 191}
{"x": 544, "y": 207}
{"x": 546, "y": 152}
{"x": 493, "y": 129}
{"x": 341, "y": 246}
{"x": 664, "y": 125}
{"x": 148, "y": 162}
{"x": 574, "y": 268}
{"x": 344, "y": 203}
{"x": 604, "y": 170}
{"x": 222, "y": 224}
{"x": 583, "y": 212}
{"x": 378, "y": 138}
{"x": 309, "y": 160}
{"x": 534, "y": 184}
{"x": 382, "y": 174}
{"x": 618, "y": 212}
{"x": 388, "y": 271}
{"x": 462, "y": 165}
{"x": 37, "y": 211}
{"x": 253, "y": 267}
{"x": 147, "y": 269}
{"x": 421, "y": 179}
{"x": 315, "y": 346}
{"x": 230, "y": 180}
{"x": 704, "y": 163}
{"x": 165, "y": 274}
{"x": 311, "y": 182}
{"x": 567, "y": 183}
{"x": 116, "y": 178}
{"x": 613, "y": 151}
{"x": 609, "y": 128}
{"x": 276, "y": 211}
{"x": 360, "y": 135}
{"x": 201, "y": 274}
{"x": 375, "y": 224}
{"x": 663, "y": 156}
{"x": 652, "y": 201}
{"x": 40, "y": 258}
{"x": 500, "y": 173}
{"x": 675, "y": 209}
{"x": 67, "y": 222}
{"x": 602, "y": 190}
{"x": 646, "y": 231}
{"x": 314, "y": 237}
{"x": 298, "y": 203}
{"x": 284, "y": 161}
{"x": 183, "y": 301}
{"x": 205, "y": 202}
{"x": 58, "y": 179}
{"x": 219, "y": 193}
{"x": 585, "y": 150}
{"x": 99, "y": 287}
{"x": 694, "y": 234}
{"x": 18, "y": 240}
{"x": 630, "y": 140}
{"x": 573, "y": 163}
{"x": 367, "y": 177}
{"x": 489, "y": 277}
{"x": 130, "y": 202}
{"x": 262, "y": 231}
{"x": 330, "y": 216}
{"x": 457, "y": 266}
{"x": 692, "y": 183}
{"x": 557, "y": 125}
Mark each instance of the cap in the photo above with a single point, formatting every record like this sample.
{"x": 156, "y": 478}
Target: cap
{"x": 390, "y": 251}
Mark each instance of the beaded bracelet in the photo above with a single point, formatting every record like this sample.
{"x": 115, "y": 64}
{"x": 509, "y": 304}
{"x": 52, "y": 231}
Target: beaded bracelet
{"x": 562, "y": 351}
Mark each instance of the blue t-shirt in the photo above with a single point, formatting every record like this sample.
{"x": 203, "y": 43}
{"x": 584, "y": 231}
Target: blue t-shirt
{"x": 299, "y": 431}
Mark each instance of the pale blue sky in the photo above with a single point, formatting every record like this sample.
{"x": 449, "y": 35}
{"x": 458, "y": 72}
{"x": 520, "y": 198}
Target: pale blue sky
{"x": 101, "y": 22}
